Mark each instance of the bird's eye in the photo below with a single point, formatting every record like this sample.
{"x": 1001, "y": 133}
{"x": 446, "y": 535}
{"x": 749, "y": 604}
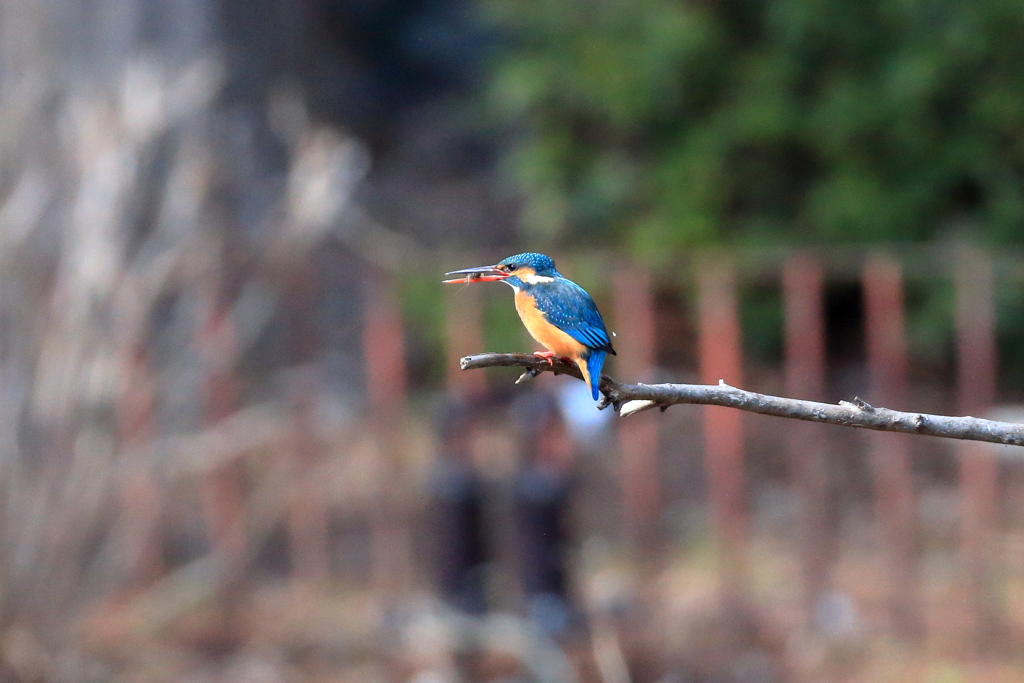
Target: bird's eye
{"x": 511, "y": 267}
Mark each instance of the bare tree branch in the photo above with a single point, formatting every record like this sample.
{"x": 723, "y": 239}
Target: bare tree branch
{"x": 632, "y": 398}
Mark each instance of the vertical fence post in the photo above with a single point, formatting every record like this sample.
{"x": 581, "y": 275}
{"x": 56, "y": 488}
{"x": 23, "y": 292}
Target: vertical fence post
{"x": 721, "y": 359}
{"x": 222, "y": 489}
{"x": 890, "y": 453}
{"x": 142, "y": 497}
{"x": 638, "y": 438}
{"x": 384, "y": 358}
{"x": 802, "y": 294}
{"x": 307, "y": 507}
{"x": 979, "y": 469}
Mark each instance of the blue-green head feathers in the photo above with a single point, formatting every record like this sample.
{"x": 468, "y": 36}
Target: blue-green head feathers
{"x": 539, "y": 263}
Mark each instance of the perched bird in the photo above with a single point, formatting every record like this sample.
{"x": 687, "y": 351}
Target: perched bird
{"x": 557, "y": 312}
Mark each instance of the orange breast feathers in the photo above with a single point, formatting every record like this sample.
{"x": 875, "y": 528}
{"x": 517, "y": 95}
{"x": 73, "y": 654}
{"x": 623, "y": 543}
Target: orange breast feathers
{"x": 554, "y": 339}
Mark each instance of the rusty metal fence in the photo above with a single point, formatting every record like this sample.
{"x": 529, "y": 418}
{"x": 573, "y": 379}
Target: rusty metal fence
{"x": 311, "y": 519}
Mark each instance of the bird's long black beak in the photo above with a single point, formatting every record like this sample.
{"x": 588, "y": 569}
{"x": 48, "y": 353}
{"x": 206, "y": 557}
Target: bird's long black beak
{"x": 478, "y": 274}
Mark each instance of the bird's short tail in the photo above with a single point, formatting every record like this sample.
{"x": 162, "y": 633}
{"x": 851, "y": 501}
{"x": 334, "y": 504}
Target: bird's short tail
{"x": 592, "y": 371}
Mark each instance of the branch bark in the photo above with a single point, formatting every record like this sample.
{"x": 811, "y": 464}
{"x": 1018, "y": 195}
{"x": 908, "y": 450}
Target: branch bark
{"x": 632, "y": 398}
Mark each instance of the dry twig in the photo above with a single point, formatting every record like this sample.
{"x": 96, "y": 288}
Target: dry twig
{"x": 633, "y": 398}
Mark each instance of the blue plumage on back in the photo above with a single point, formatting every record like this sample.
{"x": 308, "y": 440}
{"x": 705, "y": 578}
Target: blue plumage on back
{"x": 569, "y": 308}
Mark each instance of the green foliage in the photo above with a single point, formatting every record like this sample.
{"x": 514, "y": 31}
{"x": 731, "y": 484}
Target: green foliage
{"x": 761, "y": 319}
{"x": 422, "y": 301}
{"x": 1009, "y": 296}
{"x": 929, "y": 306}
{"x": 503, "y": 332}
{"x": 663, "y": 123}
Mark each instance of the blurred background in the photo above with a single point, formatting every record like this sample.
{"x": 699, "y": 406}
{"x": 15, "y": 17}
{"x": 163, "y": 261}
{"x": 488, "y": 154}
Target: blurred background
{"x": 235, "y": 444}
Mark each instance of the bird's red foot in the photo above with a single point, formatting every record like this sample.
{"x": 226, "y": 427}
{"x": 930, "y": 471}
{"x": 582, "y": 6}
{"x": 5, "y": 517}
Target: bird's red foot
{"x": 550, "y": 357}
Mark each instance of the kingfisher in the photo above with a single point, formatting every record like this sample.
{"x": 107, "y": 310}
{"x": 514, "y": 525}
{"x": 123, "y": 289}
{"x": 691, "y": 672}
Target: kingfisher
{"x": 556, "y": 311}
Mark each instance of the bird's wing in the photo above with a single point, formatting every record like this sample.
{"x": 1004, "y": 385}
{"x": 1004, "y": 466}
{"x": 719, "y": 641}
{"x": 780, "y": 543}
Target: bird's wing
{"x": 568, "y": 307}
